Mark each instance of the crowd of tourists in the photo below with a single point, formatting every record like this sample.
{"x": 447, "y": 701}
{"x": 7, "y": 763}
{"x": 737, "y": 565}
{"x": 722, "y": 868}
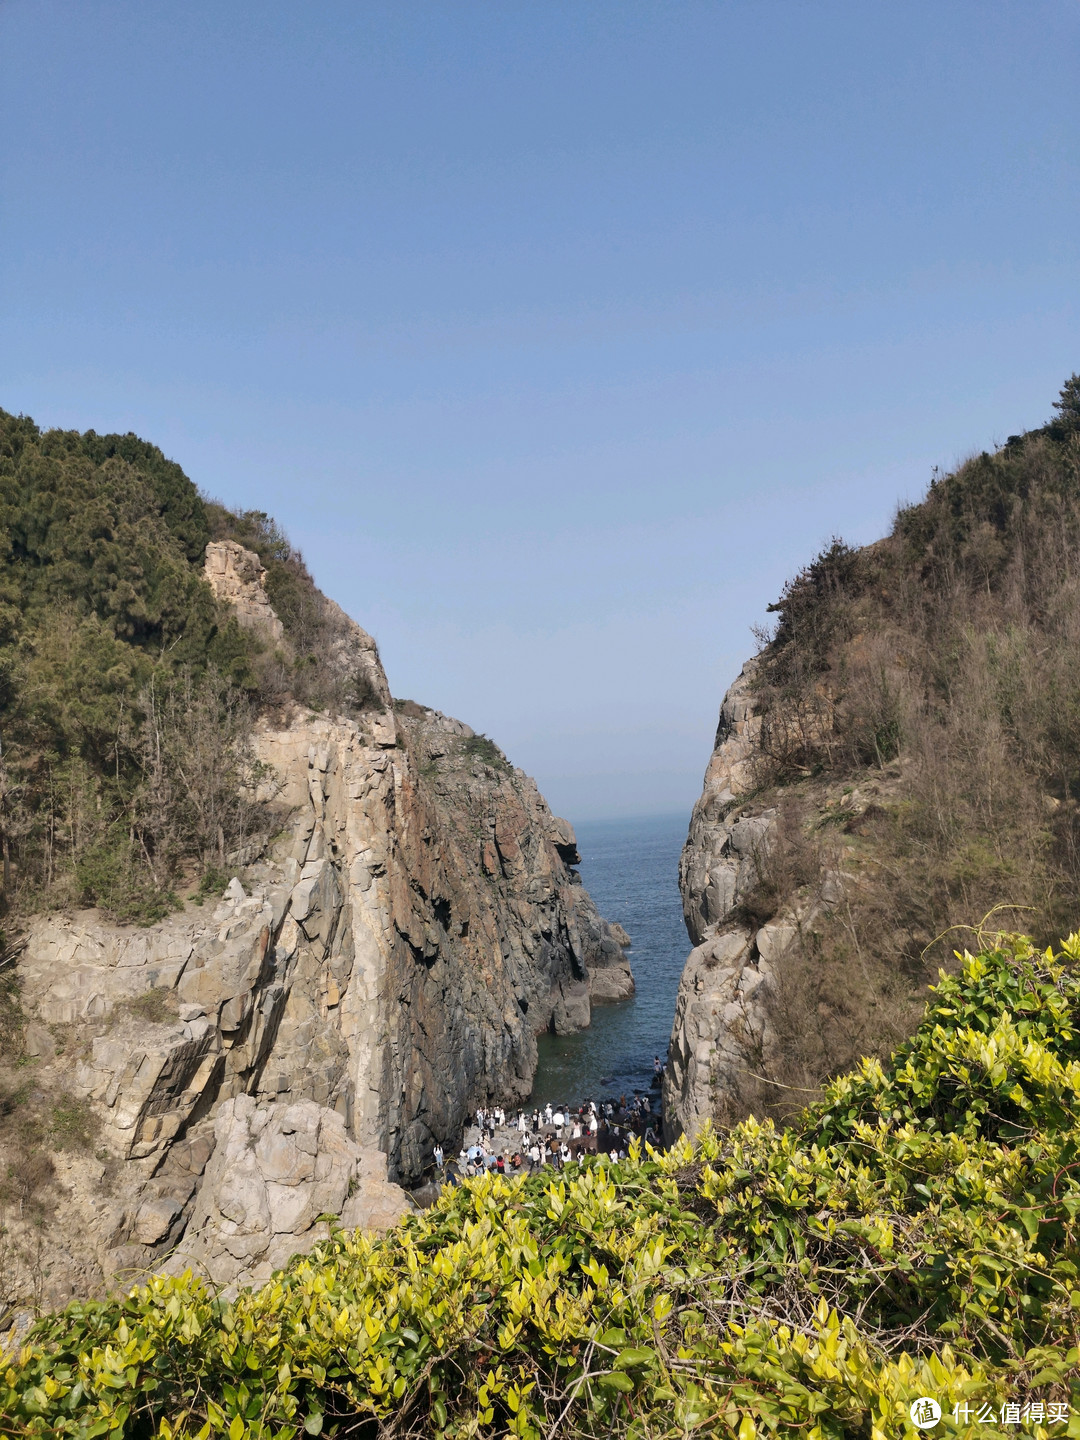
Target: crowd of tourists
{"x": 549, "y": 1135}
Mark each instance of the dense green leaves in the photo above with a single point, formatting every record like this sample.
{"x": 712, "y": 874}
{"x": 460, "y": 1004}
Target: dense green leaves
{"x": 915, "y": 1234}
{"x": 106, "y": 626}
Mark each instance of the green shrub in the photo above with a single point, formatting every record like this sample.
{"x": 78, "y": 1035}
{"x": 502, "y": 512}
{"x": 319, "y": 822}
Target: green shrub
{"x": 115, "y": 661}
{"x": 480, "y": 747}
{"x": 73, "y": 1123}
{"x": 914, "y": 1234}
{"x": 212, "y": 883}
{"x": 155, "y": 1006}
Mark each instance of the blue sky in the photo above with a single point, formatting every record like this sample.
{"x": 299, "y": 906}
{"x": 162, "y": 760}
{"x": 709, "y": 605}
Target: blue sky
{"x": 556, "y": 334}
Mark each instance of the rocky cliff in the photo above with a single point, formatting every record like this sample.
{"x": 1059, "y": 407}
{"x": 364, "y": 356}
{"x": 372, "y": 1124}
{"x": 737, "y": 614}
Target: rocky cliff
{"x": 785, "y": 884}
{"x": 895, "y": 775}
{"x": 722, "y": 1023}
{"x": 378, "y": 965}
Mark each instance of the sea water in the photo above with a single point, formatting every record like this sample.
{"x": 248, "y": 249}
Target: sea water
{"x": 631, "y": 870}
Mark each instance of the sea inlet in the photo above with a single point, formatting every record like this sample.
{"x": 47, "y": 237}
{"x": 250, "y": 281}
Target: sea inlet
{"x": 630, "y": 868}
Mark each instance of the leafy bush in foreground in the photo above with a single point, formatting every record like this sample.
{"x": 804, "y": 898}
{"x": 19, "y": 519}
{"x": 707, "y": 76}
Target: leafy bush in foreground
{"x": 914, "y": 1234}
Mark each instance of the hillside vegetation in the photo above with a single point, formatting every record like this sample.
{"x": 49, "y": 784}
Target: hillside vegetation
{"x": 920, "y": 741}
{"x": 126, "y": 691}
{"x": 914, "y": 1234}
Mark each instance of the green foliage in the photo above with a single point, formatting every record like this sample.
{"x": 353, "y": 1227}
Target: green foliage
{"x": 73, "y": 1123}
{"x": 116, "y": 666}
{"x": 1068, "y": 402}
{"x": 211, "y": 883}
{"x": 914, "y": 1234}
{"x": 807, "y": 613}
{"x": 480, "y": 747}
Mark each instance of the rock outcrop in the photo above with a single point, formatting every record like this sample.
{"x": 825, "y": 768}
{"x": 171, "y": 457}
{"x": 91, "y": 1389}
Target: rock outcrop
{"x": 760, "y": 887}
{"x": 717, "y": 859}
{"x": 378, "y": 969}
{"x": 722, "y": 1032}
{"x": 236, "y": 575}
{"x": 523, "y": 857}
{"x": 275, "y": 1170}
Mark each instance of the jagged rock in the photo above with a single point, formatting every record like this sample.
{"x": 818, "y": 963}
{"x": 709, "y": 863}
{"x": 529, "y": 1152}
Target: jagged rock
{"x": 154, "y": 1220}
{"x": 774, "y": 940}
{"x": 718, "y": 861}
{"x": 274, "y": 1171}
{"x": 374, "y": 1203}
{"x": 235, "y": 575}
{"x": 74, "y": 968}
{"x": 724, "y": 1032}
{"x": 720, "y": 1030}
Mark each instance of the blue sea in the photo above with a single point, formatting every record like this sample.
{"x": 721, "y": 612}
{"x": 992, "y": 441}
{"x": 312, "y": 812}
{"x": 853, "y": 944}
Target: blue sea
{"x": 631, "y": 870}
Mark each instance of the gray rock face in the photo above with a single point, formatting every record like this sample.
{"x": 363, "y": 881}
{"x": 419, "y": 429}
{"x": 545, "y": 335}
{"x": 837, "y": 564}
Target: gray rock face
{"x": 236, "y": 576}
{"x": 275, "y": 1170}
{"x": 717, "y": 862}
{"x": 722, "y": 1033}
{"x": 720, "y": 1030}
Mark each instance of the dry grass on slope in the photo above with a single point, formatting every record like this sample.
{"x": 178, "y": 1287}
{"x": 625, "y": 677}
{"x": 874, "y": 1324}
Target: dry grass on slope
{"x": 921, "y": 739}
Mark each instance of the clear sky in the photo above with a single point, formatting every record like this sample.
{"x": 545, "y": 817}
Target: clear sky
{"x": 557, "y": 333}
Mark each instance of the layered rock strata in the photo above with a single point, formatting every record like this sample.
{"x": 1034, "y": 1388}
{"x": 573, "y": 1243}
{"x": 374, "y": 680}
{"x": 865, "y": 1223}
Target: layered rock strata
{"x": 374, "y": 973}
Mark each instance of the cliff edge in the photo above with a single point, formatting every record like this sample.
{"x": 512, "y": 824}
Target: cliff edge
{"x": 402, "y": 921}
{"x": 895, "y": 776}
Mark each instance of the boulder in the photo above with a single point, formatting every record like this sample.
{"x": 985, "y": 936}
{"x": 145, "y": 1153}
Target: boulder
{"x": 274, "y": 1171}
